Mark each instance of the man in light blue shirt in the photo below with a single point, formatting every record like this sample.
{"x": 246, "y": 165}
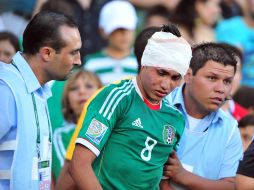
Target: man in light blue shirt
{"x": 51, "y": 45}
{"x": 210, "y": 148}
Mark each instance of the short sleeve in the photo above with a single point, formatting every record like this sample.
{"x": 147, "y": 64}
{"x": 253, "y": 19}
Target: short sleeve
{"x": 102, "y": 114}
{"x": 232, "y": 155}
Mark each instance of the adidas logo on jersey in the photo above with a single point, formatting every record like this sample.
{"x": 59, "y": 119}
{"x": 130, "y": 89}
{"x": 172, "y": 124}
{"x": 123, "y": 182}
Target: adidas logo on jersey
{"x": 137, "y": 123}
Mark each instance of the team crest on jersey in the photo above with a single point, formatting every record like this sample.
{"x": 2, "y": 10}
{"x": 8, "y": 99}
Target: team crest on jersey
{"x": 168, "y": 134}
{"x": 96, "y": 131}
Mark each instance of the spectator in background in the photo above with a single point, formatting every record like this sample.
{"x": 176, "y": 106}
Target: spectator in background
{"x": 23, "y": 7}
{"x": 144, "y": 6}
{"x": 14, "y": 22}
{"x": 246, "y": 126}
{"x": 244, "y": 97}
{"x": 196, "y": 19}
{"x": 117, "y": 23}
{"x": 157, "y": 16}
{"x": 9, "y": 45}
{"x": 147, "y": 4}
{"x": 25, "y": 130}
{"x": 2, "y": 27}
{"x": 245, "y": 171}
{"x": 230, "y": 8}
{"x": 230, "y": 106}
{"x": 77, "y": 90}
{"x": 60, "y": 6}
{"x": 239, "y": 31}
{"x": 86, "y": 14}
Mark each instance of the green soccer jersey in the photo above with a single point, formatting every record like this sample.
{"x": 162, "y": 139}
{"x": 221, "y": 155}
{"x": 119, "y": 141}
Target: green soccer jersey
{"x": 132, "y": 142}
{"x": 61, "y": 139}
{"x": 110, "y": 69}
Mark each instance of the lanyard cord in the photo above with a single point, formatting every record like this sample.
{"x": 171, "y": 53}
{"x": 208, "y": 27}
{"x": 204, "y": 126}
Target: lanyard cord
{"x": 38, "y": 125}
{"x": 38, "y": 140}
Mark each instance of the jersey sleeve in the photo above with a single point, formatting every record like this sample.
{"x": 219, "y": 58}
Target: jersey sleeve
{"x": 232, "y": 155}
{"x": 102, "y": 114}
{"x": 71, "y": 146}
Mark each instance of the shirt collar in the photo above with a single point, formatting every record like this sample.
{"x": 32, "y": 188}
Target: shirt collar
{"x": 151, "y": 106}
{"x": 31, "y": 81}
{"x": 178, "y": 101}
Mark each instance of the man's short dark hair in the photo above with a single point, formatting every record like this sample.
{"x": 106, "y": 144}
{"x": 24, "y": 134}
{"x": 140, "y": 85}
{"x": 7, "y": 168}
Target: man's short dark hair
{"x": 210, "y": 51}
{"x": 237, "y": 52}
{"x": 146, "y": 34}
{"x": 43, "y": 30}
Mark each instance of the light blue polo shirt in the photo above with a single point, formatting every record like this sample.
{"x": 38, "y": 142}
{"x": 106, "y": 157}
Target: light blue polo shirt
{"x": 18, "y": 129}
{"x": 213, "y": 150}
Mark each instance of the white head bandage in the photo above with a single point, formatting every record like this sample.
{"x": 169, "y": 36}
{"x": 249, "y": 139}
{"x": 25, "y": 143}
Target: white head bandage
{"x": 167, "y": 51}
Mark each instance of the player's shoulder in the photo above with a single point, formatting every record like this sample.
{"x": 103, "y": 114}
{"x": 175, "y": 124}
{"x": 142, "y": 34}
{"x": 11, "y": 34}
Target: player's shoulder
{"x": 167, "y": 105}
{"x": 116, "y": 90}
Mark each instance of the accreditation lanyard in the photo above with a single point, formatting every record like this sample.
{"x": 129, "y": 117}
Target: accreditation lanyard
{"x": 44, "y": 170}
{"x": 38, "y": 136}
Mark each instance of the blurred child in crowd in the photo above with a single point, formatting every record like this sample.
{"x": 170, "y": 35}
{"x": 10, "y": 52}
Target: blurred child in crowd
{"x": 117, "y": 22}
{"x": 157, "y": 16}
{"x": 230, "y": 8}
{"x": 196, "y": 19}
{"x": 246, "y": 126}
{"x": 9, "y": 45}
{"x": 78, "y": 89}
{"x": 244, "y": 97}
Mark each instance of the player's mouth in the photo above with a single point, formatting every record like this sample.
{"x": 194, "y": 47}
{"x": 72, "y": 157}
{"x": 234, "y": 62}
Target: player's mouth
{"x": 160, "y": 94}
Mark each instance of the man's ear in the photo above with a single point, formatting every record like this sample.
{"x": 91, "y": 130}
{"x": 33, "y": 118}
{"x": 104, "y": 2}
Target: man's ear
{"x": 188, "y": 76}
{"x": 46, "y": 53}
